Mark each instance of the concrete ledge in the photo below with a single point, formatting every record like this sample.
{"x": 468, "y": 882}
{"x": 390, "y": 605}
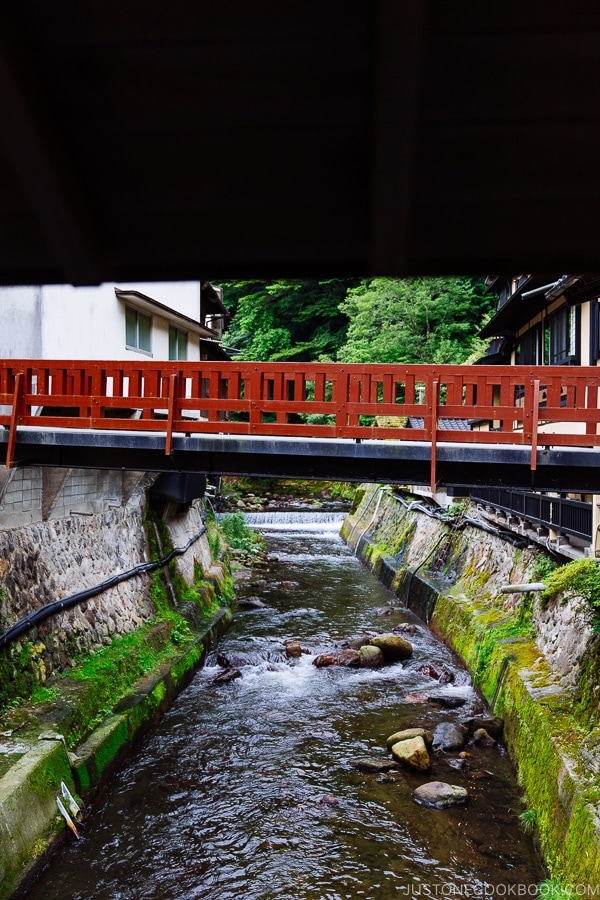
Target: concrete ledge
{"x": 29, "y": 819}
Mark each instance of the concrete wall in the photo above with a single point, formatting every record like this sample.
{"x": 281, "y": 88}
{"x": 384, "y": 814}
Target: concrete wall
{"x": 33, "y": 494}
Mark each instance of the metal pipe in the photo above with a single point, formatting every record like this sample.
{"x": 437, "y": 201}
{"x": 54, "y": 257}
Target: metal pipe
{"x": 50, "y": 609}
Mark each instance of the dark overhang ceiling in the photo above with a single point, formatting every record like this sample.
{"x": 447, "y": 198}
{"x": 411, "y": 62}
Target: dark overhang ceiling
{"x": 209, "y": 138}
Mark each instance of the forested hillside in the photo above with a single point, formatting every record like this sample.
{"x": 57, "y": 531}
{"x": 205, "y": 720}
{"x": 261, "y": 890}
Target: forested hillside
{"x": 412, "y": 320}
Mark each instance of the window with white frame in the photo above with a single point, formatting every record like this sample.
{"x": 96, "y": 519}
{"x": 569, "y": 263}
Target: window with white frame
{"x": 177, "y": 343}
{"x": 138, "y": 330}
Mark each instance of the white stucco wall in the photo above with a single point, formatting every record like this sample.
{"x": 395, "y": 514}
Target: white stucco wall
{"x": 66, "y": 322}
{"x": 20, "y": 322}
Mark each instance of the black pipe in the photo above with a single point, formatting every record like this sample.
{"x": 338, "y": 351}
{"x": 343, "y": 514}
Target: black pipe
{"x": 50, "y": 609}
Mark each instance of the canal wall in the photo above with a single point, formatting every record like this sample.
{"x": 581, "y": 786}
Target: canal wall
{"x": 78, "y": 688}
{"x": 88, "y": 528}
{"x": 536, "y": 662}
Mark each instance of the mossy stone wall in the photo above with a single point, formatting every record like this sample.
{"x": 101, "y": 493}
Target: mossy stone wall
{"x": 550, "y": 708}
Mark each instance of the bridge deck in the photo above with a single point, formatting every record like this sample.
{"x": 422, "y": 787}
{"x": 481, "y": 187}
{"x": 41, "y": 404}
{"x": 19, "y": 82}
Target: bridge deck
{"x": 519, "y": 426}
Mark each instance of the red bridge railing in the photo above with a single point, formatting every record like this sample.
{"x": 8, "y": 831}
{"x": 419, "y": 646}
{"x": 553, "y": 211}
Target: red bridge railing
{"x": 537, "y": 406}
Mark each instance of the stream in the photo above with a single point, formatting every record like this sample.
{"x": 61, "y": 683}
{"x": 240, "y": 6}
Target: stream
{"x": 248, "y": 789}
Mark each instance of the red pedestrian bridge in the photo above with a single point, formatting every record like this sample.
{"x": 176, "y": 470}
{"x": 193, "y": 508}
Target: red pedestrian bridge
{"x": 457, "y": 426}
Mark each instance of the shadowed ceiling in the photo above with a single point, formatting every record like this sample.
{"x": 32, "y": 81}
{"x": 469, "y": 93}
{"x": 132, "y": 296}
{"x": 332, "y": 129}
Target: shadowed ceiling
{"x": 177, "y": 140}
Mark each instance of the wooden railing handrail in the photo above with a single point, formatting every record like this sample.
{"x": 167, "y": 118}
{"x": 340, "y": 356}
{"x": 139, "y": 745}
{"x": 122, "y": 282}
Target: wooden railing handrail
{"x": 524, "y": 405}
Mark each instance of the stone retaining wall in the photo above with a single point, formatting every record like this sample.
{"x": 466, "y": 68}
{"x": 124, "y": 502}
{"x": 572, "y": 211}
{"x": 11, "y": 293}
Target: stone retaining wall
{"x": 53, "y": 558}
{"x": 533, "y": 681}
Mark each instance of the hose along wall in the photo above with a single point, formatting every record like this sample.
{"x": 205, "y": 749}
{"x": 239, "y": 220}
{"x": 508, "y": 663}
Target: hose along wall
{"x": 51, "y": 609}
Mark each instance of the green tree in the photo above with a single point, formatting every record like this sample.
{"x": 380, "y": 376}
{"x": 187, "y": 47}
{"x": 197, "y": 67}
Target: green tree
{"x": 287, "y": 319}
{"x": 414, "y": 320}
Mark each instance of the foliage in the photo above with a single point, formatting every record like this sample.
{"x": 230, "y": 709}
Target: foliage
{"x": 542, "y": 567}
{"x": 414, "y": 320}
{"x": 239, "y": 535}
{"x": 528, "y": 819}
{"x": 578, "y": 578}
{"x": 286, "y": 320}
{"x": 552, "y": 889}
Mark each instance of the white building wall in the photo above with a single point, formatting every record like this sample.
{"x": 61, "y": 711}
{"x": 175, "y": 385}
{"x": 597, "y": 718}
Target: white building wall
{"x": 20, "y": 322}
{"x": 66, "y": 322}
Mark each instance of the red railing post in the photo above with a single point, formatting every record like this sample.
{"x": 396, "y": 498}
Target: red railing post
{"x": 14, "y": 419}
{"x": 172, "y": 408}
{"x": 535, "y": 403}
{"x": 432, "y": 414}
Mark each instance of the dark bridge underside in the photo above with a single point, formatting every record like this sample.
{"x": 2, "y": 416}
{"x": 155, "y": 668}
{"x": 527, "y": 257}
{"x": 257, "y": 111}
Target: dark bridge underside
{"x": 459, "y": 466}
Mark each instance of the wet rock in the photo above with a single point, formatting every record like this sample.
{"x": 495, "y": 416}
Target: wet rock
{"x": 440, "y": 795}
{"x": 371, "y": 657}
{"x": 357, "y": 642}
{"x": 412, "y": 752}
{"x": 492, "y": 724}
{"x": 406, "y": 628}
{"x": 393, "y": 647}
{"x": 348, "y": 658}
{"x": 251, "y": 603}
{"x": 449, "y": 736}
{"x": 457, "y": 764}
{"x": 386, "y": 611}
{"x": 370, "y": 764}
{"x": 415, "y": 698}
{"x": 231, "y": 660}
{"x": 408, "y": 733}
{"x": 287, "y": 585}
{"x": 226, "y": 675}
{"x": 438, "y": 673}
{"x": 293, "y": 649}
{"x": 324, "y": 660}
{"x": 447, "y": 701}
{"x": 328, "y": 800}
{"x": 483, "y": 738}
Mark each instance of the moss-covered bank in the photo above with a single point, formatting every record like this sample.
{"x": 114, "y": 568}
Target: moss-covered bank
{"x": 451, "y": 574}
{"x": 77, "y": 726}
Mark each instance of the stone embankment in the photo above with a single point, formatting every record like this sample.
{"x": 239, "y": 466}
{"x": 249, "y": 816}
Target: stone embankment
{"x": 78, "y": 688}
{"x": 534, "y": 661}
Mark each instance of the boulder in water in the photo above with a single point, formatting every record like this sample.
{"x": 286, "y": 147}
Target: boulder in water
{"x": 357, "y": 642}
{"x": 251, "y": 603}
{"x": 448, "y": 701}
{"x": 408, "y": 733}
{"x": 406, "y": 628}
{"x": 412, "y": 752}
{"x": 370, "y": 764}
{"x": 348, "y": 658}
{"x": 492, "y": 724}
{"x": 449, "y": 736}
{"x": 438, "y": 673}
{"x": 393, "y": 647}
{"x": 370, "y": 657}
{"x": 324, "y": 660}
{"x": 483, "y": 738}
{"x": 440, "y": 795}
{"x": 226, "y": 675}
{"x": 293, "y": 649}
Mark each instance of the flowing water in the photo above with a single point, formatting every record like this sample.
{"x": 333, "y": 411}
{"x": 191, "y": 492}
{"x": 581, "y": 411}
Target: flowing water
{"x": 247, "y": 789}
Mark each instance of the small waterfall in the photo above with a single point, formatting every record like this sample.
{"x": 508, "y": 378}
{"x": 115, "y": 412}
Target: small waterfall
{"x": 288, "y": 517}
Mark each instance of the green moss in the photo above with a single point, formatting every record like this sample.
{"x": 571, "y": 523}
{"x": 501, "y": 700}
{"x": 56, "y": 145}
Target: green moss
{"x": 587, "y": 708}
{"x": 539, "y": 732}
{"x": 578, "y": 578}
